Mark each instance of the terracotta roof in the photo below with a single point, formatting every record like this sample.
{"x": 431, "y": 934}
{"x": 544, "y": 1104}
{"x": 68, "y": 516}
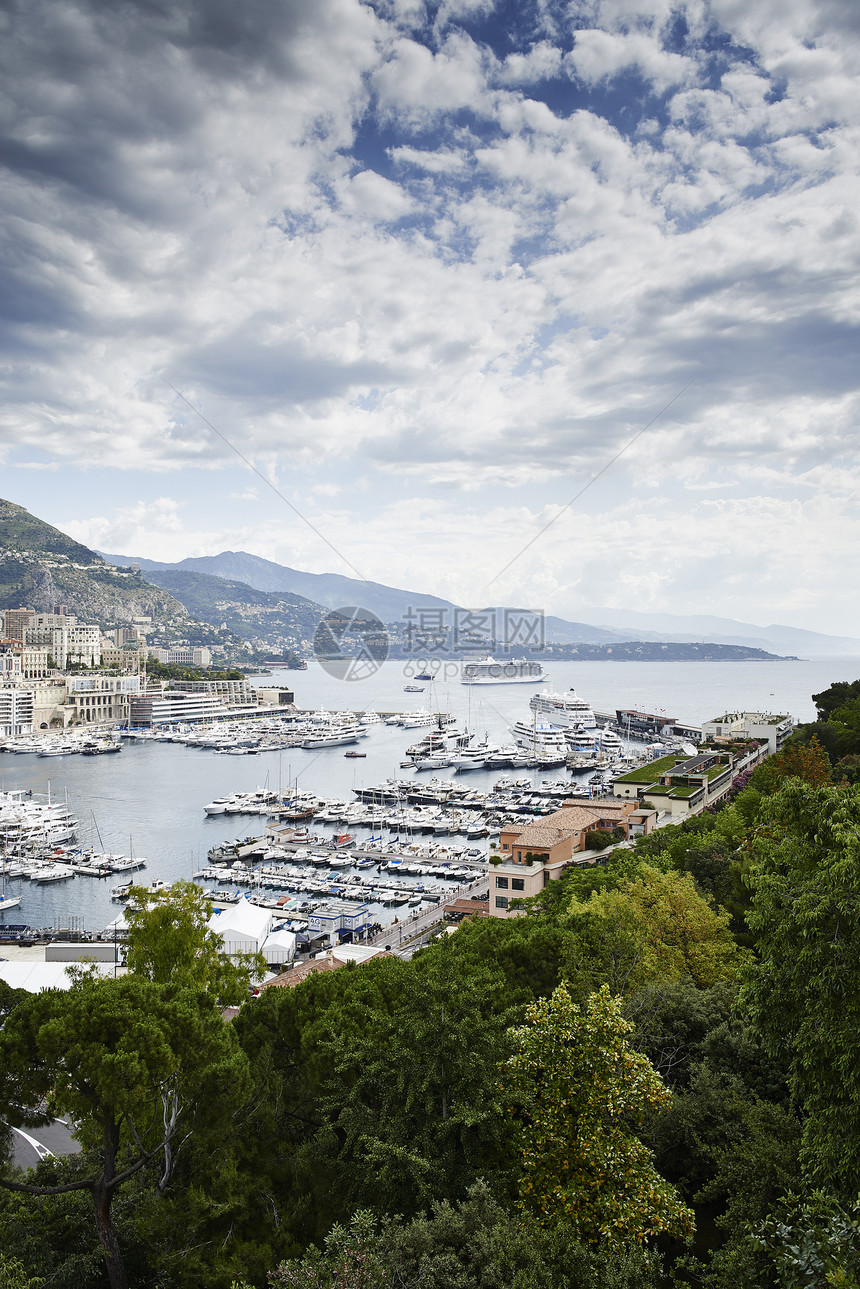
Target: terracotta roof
{"x": 474, "y": 908}
{"x": 297, "y": 974}
{"x": 605, "y": 809}
{"x": 556, "y": 827}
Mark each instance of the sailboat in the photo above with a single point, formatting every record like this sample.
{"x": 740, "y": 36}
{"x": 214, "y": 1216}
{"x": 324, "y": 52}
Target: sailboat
{"x": 11, "y": 901}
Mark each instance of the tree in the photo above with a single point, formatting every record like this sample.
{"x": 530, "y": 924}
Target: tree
{"x": 804, "y": 992}
{"x": 806, "y": 761}
{"x": 666, "y": 930}
{"x": 414, "y": 1094}
{"x": 137, "y": 1066}
{"x": 581, "y": 1092}
{"x": 170, "y": 942}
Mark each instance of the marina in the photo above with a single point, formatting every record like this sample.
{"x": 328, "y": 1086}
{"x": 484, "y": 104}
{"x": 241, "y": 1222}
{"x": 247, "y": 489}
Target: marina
{"x": 151, "y": 800}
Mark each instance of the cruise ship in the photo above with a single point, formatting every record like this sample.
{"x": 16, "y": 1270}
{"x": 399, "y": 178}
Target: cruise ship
{"x": 567, "y": 711}
{"x": 516, "y": 671}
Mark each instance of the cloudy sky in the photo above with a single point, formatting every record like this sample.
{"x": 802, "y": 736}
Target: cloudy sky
{"x": 429, "y": 268}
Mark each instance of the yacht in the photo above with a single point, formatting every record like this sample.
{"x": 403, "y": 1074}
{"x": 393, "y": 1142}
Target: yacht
{"x": 516, "y": 671}
{"x": 567, "y": 711}
{"x": 544, "y": 741}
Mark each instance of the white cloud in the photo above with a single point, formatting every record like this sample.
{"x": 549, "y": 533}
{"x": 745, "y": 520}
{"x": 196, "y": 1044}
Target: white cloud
{"x": 359, "y": 239}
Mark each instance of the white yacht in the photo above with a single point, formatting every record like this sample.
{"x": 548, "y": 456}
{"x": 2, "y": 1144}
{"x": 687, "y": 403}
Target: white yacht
{"x": 542, "y": 740}
{"x": 567, "y": 711}
{"x": 516, "y": 671}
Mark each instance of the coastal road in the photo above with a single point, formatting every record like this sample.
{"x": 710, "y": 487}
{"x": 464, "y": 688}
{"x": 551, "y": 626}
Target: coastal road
{"x": 35, "y": 1144}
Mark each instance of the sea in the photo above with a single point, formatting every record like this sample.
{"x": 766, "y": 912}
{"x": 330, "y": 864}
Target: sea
{"x": 150, "y": 799}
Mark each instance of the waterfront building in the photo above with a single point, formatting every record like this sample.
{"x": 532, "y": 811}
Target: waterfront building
{"x": 171, "y": 707}
{"x": 233, "y": 692}
{"x": 101, "y": 698}
{"x": 16, "y": 710}
{"x": 684, "y": 785}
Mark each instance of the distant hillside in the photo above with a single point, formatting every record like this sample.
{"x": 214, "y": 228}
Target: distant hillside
{"x": 334, "y": 591}
{"x": 328, "y": 589}
{"x": 269, "y": 621}
{"x": 40, "y": 566}
{"x": 701, "y": 627}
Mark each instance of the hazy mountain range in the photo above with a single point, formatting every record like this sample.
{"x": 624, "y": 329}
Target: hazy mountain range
{"x": 594, "y": 624}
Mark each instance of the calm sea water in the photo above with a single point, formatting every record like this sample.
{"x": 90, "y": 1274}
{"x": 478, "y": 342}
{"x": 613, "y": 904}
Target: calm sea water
{"x": 151, "y": 797}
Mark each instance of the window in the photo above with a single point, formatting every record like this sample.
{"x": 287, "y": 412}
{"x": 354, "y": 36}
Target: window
{"x": 501, "y": 883}
{"x": 504, "y": 845}
{"x": 501, "y": 901}
{"x": 518, "y": 884}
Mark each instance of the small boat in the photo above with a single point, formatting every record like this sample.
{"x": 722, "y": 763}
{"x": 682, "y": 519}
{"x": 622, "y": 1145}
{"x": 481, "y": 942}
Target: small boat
{"x": 10, "y": 902}
{"x": 413, "y": 689}
{"x": 355, "y": 755}
{"x": 424, "y": 675}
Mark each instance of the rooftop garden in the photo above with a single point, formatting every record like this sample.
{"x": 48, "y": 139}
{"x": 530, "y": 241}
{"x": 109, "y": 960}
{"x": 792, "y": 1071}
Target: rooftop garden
{"x": 651, "y": 772}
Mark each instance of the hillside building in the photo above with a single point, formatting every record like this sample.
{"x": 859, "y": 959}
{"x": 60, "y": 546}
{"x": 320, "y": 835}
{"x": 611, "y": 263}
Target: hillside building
{"x": 755, "y": 725}
{"x": 536, "y": 855}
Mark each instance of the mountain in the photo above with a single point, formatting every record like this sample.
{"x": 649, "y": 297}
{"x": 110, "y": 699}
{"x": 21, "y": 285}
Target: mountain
{"x": 701, "y": 627}
{"x": 271, "y": 621}
{"x": 333, "y": 590}
{"x": 40, "y": 567}
{"x": 329, "y": 589}
{"x": 593, "y": 625}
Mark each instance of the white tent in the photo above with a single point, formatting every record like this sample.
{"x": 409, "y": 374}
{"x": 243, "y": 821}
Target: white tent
{"x": 36, "y": 976}
{"x": 243, "y": 927}
{"x": 280, "y": 947}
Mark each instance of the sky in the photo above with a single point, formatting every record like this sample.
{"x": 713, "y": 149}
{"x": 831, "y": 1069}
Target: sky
{"x": 388, "y": 289}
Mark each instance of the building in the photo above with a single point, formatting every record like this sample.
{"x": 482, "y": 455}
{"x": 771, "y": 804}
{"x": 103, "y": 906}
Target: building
{"x": 232, "y": 692}
{"x": 533, "y": 856}
{"x": 172, "y": 707}
{"x": 126, "y": 657}
{"x": 183, "y": 656}
{"x": 84, "y": 646}
{"x": 16, "y": 710}
{"x": 10, "y": 665}
{"x": 95, "y": 699}
{"x": 275, "y": 697}
{"x": 684, "y": 785}
{"x": 15, "y": 622}
{"x": 35, "y": 661}
{"x": 54, "y": 639}
{"x": 752, "y": 725}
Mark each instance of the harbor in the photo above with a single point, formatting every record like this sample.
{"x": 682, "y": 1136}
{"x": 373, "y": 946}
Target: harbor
{"x": 148, "y": 804}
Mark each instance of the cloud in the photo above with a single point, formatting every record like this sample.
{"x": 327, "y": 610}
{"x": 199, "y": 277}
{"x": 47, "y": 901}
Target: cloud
{"x": 437, "y": 251}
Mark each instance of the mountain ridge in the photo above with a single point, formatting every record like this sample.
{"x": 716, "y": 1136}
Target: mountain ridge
{"x": 592, "y": 625}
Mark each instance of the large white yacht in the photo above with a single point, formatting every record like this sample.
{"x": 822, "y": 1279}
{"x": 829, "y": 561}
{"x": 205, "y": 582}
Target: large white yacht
{"x": 567, "y": 711}
{"x": 516, "y": 671}
{"x": 543, "y": 741}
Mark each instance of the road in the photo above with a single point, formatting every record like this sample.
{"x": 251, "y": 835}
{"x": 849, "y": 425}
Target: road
{"x": 401, "y": 936}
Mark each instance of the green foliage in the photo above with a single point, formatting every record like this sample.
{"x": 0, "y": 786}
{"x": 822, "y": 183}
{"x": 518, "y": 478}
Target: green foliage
{"x": 13, "y": 1275}
{"x": 139, "y": 1068}
{"x": 655, "y": 926}
{"x": 803, "y": 995}
{"x": 175, "y": 671}
{"x": 581, "y": 1092}
{"x": 813, "y": 1241}
{"x": 805, "y": 761}
{"x": 476, "y": 1244}
{"x": 169, "y": 942}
